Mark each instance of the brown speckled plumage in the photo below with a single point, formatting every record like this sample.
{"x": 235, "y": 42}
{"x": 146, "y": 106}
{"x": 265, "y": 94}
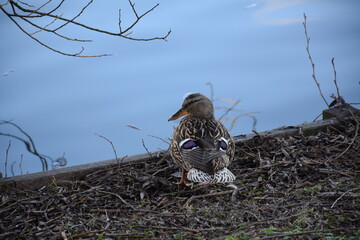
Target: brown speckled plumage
{"x": 200, "y": 144}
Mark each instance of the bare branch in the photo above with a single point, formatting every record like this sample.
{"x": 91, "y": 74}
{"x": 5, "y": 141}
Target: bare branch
{"x": 112, "y": 145}
{"x": 78, "y": 54}
{"x": 147, "y": 150}
{"x": 7, "y": 157}
{"x": 120, "y": 20}
{"x": 229, "y": 109}
{"x": 42, "y": 28}
{"x": 20, "y": 164}
{"x": 338, "y": 100}
{"x": 30, "y": 145}
{"x": 311, "y": 60}
{"x": 211, "y": 91}
{"x": 18, "y": 10}
{"x": 42, "y": 6}
{"x": 133, "y": 8}
{"x": 167, "y": 142}
{"x": 335, "y": 80}
{"x": 81, "y": 11}
{"x": 26, "y": 4}
{"x": 52, "y": 31}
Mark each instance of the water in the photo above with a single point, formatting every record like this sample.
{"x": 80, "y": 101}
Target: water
{"x": 252, "y": 51}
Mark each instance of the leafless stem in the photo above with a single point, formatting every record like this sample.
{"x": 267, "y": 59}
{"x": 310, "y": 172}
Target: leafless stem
{"x": 20, "y": 164}
{"x": 233, "y": 120}
{"x": 26, "y": 4}
{"x": 42, "y": 28}
{"x": 311, "y": 60}
{"x": 342, "y": 195}
{"x": 211, "y": 91}
{"x": 335, "y": 79}
{"x": 229, "y": 109}
{"x": 72, "y": 20}
{"x": 7, "y": 157}
{"x": 51, "y": 31}
{"x": 118, "y": 196}
{"x": 167, "y": 142}
{"x": 338, "y": 100}
{"x": 353, "y": 140}
{"x": 20, "y": 12}
{"x": 143, "y": 143}
{"x": 120, "y": 30}
{"x": 112, "y": 145}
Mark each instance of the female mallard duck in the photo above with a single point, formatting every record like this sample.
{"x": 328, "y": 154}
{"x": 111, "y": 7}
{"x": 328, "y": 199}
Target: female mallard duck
{"x": 200, "y": 144}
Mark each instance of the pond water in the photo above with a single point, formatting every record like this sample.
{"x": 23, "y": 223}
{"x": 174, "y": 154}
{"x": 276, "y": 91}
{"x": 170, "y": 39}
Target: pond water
{"x": 251, "y": 51}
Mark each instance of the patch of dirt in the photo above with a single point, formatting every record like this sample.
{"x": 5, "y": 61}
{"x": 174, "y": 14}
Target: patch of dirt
{"x": 299, "y": 187}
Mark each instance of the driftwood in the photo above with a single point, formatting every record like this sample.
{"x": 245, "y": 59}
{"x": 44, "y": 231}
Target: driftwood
{"x": 36, "y": 180}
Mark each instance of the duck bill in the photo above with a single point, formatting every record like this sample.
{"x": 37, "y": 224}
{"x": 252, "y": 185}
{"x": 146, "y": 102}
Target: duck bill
{"x": 178, "y": 114}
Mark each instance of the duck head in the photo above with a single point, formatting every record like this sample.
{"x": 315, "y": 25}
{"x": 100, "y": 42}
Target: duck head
{"x": 197, "y": 106}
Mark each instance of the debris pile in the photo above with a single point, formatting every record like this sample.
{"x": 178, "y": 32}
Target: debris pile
{"x": 296, "y": 187}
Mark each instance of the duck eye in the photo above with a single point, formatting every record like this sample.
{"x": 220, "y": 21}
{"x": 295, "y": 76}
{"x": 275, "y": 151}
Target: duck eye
{"x": 223, "y": 145}
{"x": 189, "y": 145}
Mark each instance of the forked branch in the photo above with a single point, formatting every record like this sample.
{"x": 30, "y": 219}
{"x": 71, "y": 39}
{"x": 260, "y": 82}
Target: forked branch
{"x": 311, "y": 60}
{"x": 24, "y": 16}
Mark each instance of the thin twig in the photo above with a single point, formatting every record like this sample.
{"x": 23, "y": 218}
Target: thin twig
{"x": 120, "y": 30}
{"x": 45, "y": 27}
{"x": 7, "y": 157}
{"x": 27, "y": 4}
{"x": 13, "y": 8}
{"x": 211, "y": 91}
{"x": 77, "y": 54}
{"x": 38, "y": 9}
{"x": 122, "y": 159}
{"x": 20, "y": 164}
{"x": 112, "y": 145}
{"x": 53, "y": 32}
{"x": 167, "y": 142}
{"x": 72, "y": 20}
{"x": 229, "y": 109}
{"x": 353, "y": 140}
{"x": 338, "y": 100}
{"x": 342, "y": 195}
{"x": 311, "y": 60}
{"x": 118, "y": 196}
{"x": 143, "y": 143}
{"x": 335, "y": 79}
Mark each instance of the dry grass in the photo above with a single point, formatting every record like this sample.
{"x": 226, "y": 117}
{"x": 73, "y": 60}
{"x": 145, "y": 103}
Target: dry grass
{"x": 301, "y": 187}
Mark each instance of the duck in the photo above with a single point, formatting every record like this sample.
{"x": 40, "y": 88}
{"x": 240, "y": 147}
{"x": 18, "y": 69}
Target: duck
{"x": 200, "y": 144}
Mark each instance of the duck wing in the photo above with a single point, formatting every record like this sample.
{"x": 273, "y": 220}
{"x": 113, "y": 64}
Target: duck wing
{"x": 200, "y": 153}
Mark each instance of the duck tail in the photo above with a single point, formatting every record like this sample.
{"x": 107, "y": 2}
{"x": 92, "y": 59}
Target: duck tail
{"x": 224, "y": 176}
{"x": 197, "y": 175}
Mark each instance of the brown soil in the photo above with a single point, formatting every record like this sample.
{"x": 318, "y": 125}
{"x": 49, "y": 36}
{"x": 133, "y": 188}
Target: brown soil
{"x": 300, "y": 187}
